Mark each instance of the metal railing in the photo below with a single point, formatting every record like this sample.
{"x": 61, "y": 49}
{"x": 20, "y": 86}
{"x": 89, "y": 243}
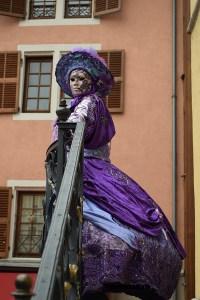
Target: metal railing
{"x": 78, "y": 8}
{"x": 59, "y": 273}
{"x": 42, "y": 9}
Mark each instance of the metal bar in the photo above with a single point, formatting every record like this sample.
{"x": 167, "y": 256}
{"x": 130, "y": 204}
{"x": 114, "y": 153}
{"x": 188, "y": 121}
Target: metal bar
{"x": 53, "y": 247}
{"x": 194, "y": 17}
{"x": 60, "y": 155}
{"x": 174, "y": 117}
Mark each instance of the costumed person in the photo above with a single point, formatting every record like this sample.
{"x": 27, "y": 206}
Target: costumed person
{"x": 129, "y": 245}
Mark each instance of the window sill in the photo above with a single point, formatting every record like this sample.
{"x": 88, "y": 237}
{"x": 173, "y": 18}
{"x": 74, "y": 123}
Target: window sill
{"x": 56, "y": 22}
{"x": 19, "y": 264}
{"x": 34, "y": 116}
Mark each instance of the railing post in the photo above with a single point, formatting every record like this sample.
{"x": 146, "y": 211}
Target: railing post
{"x": 59, "y": 273}
{"x": 23, "y": 285}
{"x": 63, "y": 114}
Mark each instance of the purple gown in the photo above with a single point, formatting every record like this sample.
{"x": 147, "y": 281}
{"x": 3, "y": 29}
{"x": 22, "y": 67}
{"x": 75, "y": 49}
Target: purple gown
{"x": 151, "y": 269}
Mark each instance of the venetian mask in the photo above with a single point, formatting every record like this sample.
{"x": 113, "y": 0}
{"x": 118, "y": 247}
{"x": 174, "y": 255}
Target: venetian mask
{"x": 80, "y": 82}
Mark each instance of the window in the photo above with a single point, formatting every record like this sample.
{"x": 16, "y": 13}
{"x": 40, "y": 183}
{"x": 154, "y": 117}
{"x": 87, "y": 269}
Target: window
{"x": 29, "y": 224}
{"x": 37, "y": 92}
{"x": 78, "y": 8}
{"x": 42, "y": 9}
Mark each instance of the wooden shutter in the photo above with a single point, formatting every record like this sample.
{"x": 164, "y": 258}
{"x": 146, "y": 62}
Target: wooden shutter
{"x": 104, "y": 7}
{"x": 115, "y": 62}
{"x": 14, "y": 8}
{"x": 9, "y": 81}
{"x": 5, "y": 208}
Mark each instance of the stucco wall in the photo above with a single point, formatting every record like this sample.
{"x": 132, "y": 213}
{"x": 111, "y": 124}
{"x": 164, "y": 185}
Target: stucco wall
{"x": 195, "y": 46}
{"x": 144, "y": 129}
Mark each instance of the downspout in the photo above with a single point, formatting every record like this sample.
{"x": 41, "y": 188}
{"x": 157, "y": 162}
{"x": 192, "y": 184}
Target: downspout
{"x": 174, "y": 97}
{"x": 174, "y": 123}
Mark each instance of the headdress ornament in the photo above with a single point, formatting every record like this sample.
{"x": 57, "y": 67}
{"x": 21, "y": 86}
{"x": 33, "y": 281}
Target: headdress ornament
{"x": 89, "y": 61}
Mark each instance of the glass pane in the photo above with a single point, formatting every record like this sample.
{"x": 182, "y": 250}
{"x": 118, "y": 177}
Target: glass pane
{"x": 37, "y": 229}
{"x": 23, "y": 244}
{"x": 25, "y": 229}
{"x": 32, "y": 104}
{"x": 79, "y": 8}
{"x": 44, "y": 92}
{"x": 36, "y": 241}
{"x": 39, "y": 219}
{"x": 33, "y": 80}
{"x": 32, "y": 92}
{"x": 27, "y": 201}
{"x": 45, "y": 79}
{"x": 46, "y": 67}
{"x": 38, "y": 199}
{"x": 44, "y": 104}
{"x": 26, "y": 216}
{"x": 34, "y": 67}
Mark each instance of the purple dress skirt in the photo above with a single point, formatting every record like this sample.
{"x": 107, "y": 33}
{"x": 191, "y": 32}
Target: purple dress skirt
{"x": 150, "y": 268}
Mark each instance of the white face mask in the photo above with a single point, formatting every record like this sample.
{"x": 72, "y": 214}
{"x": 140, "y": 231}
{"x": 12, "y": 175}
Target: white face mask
{"x": 80, "y": 82}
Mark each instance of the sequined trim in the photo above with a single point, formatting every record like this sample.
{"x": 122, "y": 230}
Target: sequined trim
{"x": 111, "y": 265}
{"x": 119, "y": 175}
{"x": 101, "y": 152}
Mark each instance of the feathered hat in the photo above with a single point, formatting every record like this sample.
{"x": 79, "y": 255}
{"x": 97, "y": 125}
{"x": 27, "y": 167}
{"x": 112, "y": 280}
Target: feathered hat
{"x": 89, "y": 61}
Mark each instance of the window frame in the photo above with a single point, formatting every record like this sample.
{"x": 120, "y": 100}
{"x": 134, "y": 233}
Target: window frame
{"x": 28, "y": 60}
{"x": 18, "y": 211}
{"x": 78, "y": 16}
{"x": 30, "y": 12}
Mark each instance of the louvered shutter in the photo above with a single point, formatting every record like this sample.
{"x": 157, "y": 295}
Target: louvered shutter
{"x": 14, "y": 8}
{"x": 9, "y": 81}
{"x": 115, "y": 62}
{"x": 104, "y": 7}
{"x": 5, "y": 208}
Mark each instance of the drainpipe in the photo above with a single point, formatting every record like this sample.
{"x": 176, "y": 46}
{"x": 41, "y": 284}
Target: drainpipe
{"x": 174, "y": 97}
{"x": 174, "y": 142}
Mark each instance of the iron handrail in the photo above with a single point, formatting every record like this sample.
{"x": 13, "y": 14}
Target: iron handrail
{"x": 57, "y": 272}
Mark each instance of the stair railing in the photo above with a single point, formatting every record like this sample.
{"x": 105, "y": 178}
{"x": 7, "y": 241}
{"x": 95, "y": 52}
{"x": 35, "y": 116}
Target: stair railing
{"x": 59, "y": 272}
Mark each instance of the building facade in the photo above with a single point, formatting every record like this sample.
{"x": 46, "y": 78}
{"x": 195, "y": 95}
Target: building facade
{"x": 193, "y": 30}
{"x": 136, "y": 39}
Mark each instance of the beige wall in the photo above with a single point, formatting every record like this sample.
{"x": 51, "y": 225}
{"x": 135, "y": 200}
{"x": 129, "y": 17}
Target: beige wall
{"x": 195, "y": 46}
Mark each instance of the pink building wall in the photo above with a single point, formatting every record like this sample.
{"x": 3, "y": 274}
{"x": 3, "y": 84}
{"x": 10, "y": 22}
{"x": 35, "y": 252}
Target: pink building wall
{"x": 143, "y": 144}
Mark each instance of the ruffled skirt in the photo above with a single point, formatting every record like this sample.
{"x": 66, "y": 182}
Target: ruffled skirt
{"x": 110, "y": 265}
{"x": 149, "y": 269}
